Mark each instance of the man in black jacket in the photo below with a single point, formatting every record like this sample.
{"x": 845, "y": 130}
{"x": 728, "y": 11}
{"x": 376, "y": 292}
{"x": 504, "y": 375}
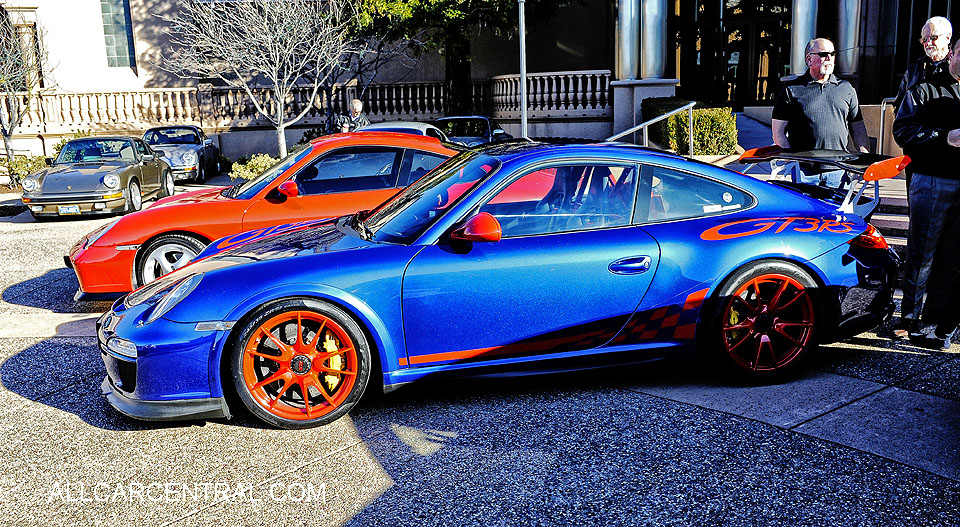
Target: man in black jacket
{"x": 935, "y": 38}
{"x": 928, "y": 129}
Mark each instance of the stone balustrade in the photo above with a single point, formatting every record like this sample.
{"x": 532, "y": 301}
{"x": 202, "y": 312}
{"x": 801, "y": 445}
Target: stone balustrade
{"x": 559, "y": 94}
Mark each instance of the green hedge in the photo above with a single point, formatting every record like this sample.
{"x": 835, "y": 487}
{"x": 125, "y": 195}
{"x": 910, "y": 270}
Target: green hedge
{"x": 258, "y": 164}
{"x": 714, "y": 129}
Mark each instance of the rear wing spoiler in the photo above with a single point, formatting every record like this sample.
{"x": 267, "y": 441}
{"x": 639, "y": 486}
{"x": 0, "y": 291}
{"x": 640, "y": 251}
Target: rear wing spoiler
{"x": 862, "y": 170}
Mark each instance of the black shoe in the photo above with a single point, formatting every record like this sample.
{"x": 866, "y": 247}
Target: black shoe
{"x": 934, "y": 340}
{"x": 907, "y": 327}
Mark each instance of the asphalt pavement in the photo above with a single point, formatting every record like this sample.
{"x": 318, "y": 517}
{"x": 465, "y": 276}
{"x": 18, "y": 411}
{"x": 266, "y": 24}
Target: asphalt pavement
{"x": 867, "y": 434}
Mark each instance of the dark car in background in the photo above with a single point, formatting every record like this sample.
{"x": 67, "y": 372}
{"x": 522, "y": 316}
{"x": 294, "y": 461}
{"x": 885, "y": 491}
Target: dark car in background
{"x": 190, "y": 153}
{"x": 472, "y": 130}
{"x": 97, "y": 175}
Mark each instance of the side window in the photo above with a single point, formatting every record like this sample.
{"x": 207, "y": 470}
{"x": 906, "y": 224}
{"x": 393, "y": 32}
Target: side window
{"x": 142, "y": 148}
{"x": 565, "y": 198}
{"x": 420, "y": 164}
{"x": 676, "y": 195}
{"x": 434, "y": 133}
{"x": 349, "y": 170}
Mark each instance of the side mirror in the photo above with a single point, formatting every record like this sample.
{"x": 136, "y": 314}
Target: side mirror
{"x": 207, "y": 142}
{"x": 499, "y": 131}
{"x": 48, "y": 161}
{"x": 148, "y": 157}
{"x": 289, "y": 189}
{"x": 481, "y": 228}
{"x": 159, "y": 153}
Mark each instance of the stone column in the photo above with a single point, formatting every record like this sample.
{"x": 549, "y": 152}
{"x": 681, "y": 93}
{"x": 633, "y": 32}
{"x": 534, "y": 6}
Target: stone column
{"x": 804, "y": 24}
{"x": 627, "y": 63}
{"x": 848, "y": 37}
{"x": 653, "y": 39}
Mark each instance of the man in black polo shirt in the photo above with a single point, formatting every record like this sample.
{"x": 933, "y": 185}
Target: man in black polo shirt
{"x": 818, "y": 111}
{"x": 928, "y": 129}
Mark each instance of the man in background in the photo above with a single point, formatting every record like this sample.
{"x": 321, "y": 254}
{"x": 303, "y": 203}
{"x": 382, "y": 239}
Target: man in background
{"x": 935, "y": 38}
{"x": 819, "y": 111}
{"x": 356, "y": 119}
{"x": 928, "y": 129}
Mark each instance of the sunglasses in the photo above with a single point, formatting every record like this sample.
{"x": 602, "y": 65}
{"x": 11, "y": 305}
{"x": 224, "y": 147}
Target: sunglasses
{"x": 823, "y": 54}
{"x": 931, "y": 38}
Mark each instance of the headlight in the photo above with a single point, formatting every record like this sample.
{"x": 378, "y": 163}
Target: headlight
{"x": 178, "y": 293}
{"x": 189, "y": 158}
{"x": 164, "y": 294}
{"x": 111, "y": 181}
{"x": 30, "y": 184}
{"x": 95, "y": 235}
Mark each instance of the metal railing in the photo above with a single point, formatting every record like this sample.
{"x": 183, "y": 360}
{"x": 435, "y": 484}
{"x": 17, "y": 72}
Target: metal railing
{"x": 644, "y": 125}
{"x": 883, "y": 116}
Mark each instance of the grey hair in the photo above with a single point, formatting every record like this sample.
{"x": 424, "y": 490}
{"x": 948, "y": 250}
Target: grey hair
{"x": 357, "y": 105}
{"x": 806, "y": 50}
{"x": 942, "y": 24}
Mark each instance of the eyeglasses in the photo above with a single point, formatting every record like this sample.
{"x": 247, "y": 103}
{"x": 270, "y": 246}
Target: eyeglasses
{"x": 931, "y": 38}
{"x": 823, "y": 54}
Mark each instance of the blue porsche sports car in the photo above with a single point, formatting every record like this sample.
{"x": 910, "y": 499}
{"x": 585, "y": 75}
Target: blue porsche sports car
{"x": 515, "y": 257}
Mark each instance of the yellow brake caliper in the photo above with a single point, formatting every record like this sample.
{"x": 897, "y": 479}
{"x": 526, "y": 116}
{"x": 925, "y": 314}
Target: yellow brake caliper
{"x": 734, "y": 320}
{"x": 335, "y": 363}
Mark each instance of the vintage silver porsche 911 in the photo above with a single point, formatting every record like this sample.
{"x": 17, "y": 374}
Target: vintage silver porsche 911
{"x": 97, "y": 175}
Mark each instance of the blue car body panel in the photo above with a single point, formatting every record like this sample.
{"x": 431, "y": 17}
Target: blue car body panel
{"x": 632, "y": 292}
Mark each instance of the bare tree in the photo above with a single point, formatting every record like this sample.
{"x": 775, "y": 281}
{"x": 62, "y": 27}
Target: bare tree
{"x": 288, "y": 44}
{"x": 22, "y": 70}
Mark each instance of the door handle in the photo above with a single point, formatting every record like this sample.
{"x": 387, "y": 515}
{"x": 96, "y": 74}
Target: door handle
{"x": 631, "y": 265}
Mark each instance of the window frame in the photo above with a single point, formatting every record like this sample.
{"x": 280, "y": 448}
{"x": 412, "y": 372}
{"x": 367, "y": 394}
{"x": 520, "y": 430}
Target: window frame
{"x": 645, "y": 181}
{"x": 394, "y": 174}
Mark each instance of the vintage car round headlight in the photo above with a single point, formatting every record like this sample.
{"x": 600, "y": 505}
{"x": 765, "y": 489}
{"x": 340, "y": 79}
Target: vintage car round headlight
{"x": 189, "y": 158}
{"x": 30, "y": 184}
{"x": 111, "y": 181}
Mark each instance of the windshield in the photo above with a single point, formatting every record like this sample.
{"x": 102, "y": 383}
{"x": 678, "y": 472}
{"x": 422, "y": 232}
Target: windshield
{"x": 96, "y": 151}
{"x": 403, "y": 218}
{"x": 251, "y": 187}
{"x": 172, "y": 136}
{"x": 464, "y": 127}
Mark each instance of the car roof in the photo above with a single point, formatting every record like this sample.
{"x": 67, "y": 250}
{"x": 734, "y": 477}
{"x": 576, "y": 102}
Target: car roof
{"x": 416, "y": 125}
{"x": 173, "y": 126}
{"x": 388, "y": 138}
{"x": 105, "y": 137}
{"x": 516, "y": 149}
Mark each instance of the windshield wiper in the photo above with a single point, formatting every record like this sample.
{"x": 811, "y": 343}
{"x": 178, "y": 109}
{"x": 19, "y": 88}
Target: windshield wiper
{"x": 356, "y": 223}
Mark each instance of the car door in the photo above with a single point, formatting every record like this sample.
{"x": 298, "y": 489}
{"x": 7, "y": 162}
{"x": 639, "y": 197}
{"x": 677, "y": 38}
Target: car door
{"x": 566, "y": 276}
{"x": 339, "y": 182}
{"x": 149, "y": 168}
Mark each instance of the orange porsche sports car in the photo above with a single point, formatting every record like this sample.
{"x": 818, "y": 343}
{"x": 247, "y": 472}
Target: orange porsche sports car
{"x": 332, "y": 176}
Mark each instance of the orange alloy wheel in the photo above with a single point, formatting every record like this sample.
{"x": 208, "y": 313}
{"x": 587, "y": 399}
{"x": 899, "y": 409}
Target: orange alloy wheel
{"x": 299, "y": 365}
{"x": 768, "y": 322}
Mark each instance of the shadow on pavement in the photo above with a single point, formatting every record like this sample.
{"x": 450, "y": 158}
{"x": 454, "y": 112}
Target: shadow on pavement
{"x": 54, "y": 291}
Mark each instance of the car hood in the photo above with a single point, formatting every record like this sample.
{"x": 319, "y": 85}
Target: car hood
{"x": 77, "y": 177}
{"x": 172, "y": 153}
{"x": 280, "y": 241}
{"x": 206, "y": 195}
{"x": 468, "y": 140}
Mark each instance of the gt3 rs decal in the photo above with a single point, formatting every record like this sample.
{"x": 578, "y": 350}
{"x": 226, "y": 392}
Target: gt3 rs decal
{"x": 249, "y": 236}
{"x": 741, "y": 228}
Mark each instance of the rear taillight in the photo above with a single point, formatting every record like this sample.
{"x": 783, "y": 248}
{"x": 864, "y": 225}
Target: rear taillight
{"x": 870, "y": 239}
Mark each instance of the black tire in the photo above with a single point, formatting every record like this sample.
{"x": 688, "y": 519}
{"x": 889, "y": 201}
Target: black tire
{"x": 201, "y": 172}
{"x": 310, "y": 368}
{"x": 134, "y": 197}
{"x": 763, "y": 321}
{"x": 164, "y": 254}
{"x": 166, "y": 184}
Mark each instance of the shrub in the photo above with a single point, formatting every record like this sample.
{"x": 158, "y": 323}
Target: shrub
{"x": 22, "y": 166}
{"x": 714, "y": 129}
{"x": 257, "y": 165}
